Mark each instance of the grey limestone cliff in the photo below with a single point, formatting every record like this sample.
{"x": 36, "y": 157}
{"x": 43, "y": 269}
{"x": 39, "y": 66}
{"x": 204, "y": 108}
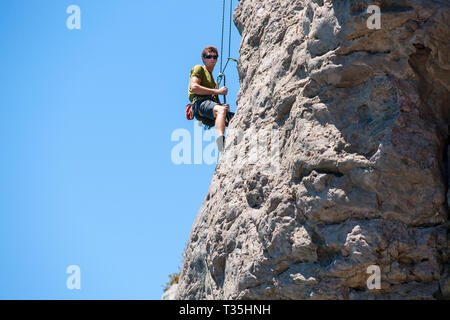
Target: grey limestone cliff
{"x": 356, "y": 124}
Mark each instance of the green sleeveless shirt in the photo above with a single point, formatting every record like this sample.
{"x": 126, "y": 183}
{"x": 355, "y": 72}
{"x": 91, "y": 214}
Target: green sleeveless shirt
{"x": 206, "y": 80}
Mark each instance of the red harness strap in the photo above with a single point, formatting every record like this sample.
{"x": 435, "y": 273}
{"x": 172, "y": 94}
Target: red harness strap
{"x": 189, "y": 112}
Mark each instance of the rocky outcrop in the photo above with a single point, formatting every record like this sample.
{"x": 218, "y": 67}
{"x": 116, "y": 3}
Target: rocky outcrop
{"x": 353, "y": 124}
{"x": 171, "y": 292}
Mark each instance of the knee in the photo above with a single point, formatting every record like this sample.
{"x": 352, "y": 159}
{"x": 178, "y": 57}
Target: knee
{"x": 221, "y": 110}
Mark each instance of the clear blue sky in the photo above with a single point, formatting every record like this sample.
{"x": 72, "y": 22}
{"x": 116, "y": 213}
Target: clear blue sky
{"x": 86, "y": 118}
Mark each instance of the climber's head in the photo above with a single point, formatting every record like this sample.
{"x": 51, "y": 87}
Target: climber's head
{"x": 209, "y": 57}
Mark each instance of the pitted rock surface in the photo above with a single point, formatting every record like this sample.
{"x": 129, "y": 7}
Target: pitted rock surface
{"x": 356, "y": 121}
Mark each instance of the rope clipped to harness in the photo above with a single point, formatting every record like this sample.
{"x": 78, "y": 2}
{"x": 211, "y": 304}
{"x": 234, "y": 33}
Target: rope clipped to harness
{"x": 221, "y": 77}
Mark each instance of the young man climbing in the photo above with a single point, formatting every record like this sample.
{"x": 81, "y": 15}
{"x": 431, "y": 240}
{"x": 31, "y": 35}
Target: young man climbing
{"x": 203, "y": 94}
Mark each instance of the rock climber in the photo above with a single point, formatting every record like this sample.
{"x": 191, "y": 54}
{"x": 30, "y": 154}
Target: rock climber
{"x": 203, "y": 94}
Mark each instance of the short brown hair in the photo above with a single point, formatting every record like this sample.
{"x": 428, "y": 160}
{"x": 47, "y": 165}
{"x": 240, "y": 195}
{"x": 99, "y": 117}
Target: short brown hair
{"x": 208, "y": 49}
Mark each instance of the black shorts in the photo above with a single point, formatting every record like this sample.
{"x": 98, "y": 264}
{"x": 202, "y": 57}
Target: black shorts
{"x": 204, "y": 108}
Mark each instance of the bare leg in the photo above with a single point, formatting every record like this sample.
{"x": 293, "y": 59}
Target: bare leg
{"x": 220, "y": 113}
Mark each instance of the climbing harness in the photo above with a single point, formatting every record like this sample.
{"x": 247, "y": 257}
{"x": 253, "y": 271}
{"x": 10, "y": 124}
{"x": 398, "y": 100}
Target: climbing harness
{"x": 221, "y": 75}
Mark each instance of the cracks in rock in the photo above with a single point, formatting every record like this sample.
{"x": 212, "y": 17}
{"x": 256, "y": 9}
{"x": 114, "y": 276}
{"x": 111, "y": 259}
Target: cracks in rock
{"x": 389, "y": 6}
{"x": 365, "y": 51}
{"x": 358, "y": 8}
{"x": 300, "y": 172}
{"x": 255, "y": 40}
{"x": 446, "y": 169}
{"x": 325, "y": 254}
{"x": 287, "y": 61}
{"x": 433, "y": 107}
{"x": 335, "y": 173}
{"x": 284, "y": 109}
{"x": 418, "y": 61}
{"x": 218, "y": 269}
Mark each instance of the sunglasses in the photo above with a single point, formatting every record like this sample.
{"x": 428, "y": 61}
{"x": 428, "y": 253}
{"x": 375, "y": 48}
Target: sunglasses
{"x": 210, "y": 57}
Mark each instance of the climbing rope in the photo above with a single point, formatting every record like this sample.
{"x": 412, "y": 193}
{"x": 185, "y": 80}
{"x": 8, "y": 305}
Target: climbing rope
{"x": 221, "y": 41}
{"x": 221, "y": 75}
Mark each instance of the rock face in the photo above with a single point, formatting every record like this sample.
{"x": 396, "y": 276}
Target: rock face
{"x": 353, "y": 124}
{"x": 171, "y": 293}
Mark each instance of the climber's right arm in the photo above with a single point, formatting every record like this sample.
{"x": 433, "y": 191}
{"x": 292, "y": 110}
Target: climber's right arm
{"x": 203, "y": 91}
